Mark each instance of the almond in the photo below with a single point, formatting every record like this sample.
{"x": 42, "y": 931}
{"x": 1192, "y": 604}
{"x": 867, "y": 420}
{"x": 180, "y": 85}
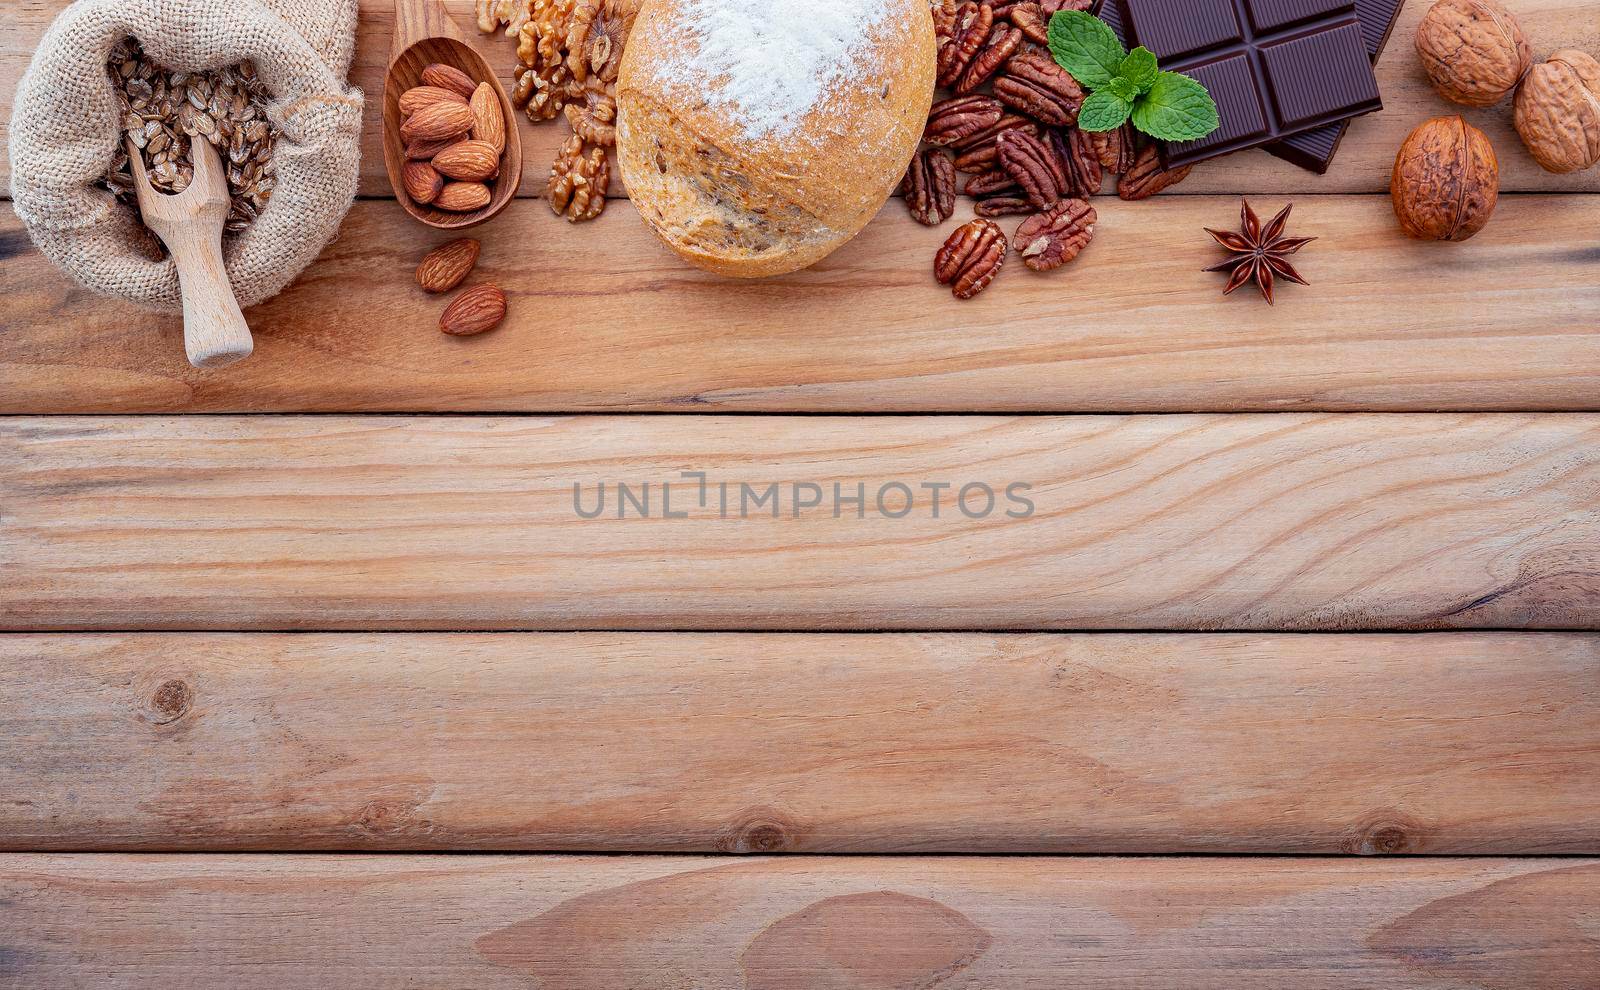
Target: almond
{"x": 437, "y": 121}
{"x": 449, "y": 77}
{"x": 469, "y": 161}
{"x": 417, "y": 97}
{"x": 447, "y": 265}
{"x": 462, "y": 197}
{"x": 421, "y": 151}
{"x": 489, "y": 124}
{"x": 422, "y": 182}
{"x": 477, "y": 309}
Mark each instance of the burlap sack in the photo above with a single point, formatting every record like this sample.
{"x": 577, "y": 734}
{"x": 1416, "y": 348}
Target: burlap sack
{"x": 66, "y": 128}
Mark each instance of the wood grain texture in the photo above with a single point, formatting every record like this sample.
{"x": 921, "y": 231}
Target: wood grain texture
{"x": 1363, "y": 165}
{"x": 1254, "y": 522}
{"x": 599, "y": 923}
{"x": 1133, "y": 325}
{"x": 1437, "y": 743}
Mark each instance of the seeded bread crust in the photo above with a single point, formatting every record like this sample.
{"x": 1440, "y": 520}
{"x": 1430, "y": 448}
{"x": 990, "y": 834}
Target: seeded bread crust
{"x": 755, "y": 208}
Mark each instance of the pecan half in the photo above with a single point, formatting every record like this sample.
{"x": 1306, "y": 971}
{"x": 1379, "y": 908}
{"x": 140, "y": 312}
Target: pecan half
{"x": 1004, "y": 42}
{"x": 1116, "y": 149}
{"x": 979, "y": 152}
{"x": 1034, "y": 165}
{"x": 990, "y": 182}
{"x": 1002, "y": 206}
{"x": 1035, "y": 85}
{"x": 994, "y": 130}
{"x": 979, "y": 159}
{"x": 1079, "y": 162}
{"x": 1033, "y": 19}
{"x": 1147, "y": 177}
{"x": 967, "y": 36}
{"x": 971, "y": 258}
{"x": 930, "y": 187}
{"x": 952, "y": 121}
{"x": 1050, "y": 239}
{"x": 944, "y": 20}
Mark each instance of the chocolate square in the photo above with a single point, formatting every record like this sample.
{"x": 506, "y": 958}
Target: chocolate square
{"x": 1301, "y": 95}
{"x": 1267, "y": 16}
{"x": 1315, "y": 149}
{"x": 1234, "y": 79}
{"x": 1177, "y": 29}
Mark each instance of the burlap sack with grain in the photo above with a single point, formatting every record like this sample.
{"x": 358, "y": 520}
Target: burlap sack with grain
{"x": 66, "y": 127}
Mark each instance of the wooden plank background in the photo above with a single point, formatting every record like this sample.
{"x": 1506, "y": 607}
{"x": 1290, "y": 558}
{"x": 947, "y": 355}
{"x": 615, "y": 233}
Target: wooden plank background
{"x": 598, "y": 923}
{"x": 1147, "y": 522}
{"x": 602, "y": 318}
{"x": 1478, "y": 510}
{"x": 1441, "y": 743}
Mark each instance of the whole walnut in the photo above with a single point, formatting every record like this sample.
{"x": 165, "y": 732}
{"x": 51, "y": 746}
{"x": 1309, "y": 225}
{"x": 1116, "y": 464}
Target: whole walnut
{"x": 1473, "y": 51}
{"x": 1446, "y": 181}
{"x": 1558, "y": 112}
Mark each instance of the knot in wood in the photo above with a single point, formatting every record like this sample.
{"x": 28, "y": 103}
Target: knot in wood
{"x": 1386, "y": 835}
{"x": 386, "y": 817}
{"x": 760, "y": 830}
{"x": 170, "y": 701}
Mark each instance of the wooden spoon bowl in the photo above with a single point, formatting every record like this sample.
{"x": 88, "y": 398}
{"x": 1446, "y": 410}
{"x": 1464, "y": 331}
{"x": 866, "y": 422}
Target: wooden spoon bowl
{"x": 424, "y": 33}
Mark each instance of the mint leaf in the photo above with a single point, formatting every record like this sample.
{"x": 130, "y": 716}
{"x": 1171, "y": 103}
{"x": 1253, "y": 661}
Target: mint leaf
{"x": 1177, "y": 108}
{"x": 1086, "y": 47}
{"x": 1139, "y": 68}
{"x": 1165, "y": 105}
{"x": 1103, "y": 111}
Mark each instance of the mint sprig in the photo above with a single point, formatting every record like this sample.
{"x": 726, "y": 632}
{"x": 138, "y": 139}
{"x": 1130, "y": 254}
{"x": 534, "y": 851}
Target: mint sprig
{"x": 1123, "y": 84}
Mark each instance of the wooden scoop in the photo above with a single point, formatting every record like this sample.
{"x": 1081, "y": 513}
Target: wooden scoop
{"x": 190, "y": 224}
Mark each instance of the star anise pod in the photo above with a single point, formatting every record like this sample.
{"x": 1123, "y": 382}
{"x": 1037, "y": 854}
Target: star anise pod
{"x": 1259, "y": 253}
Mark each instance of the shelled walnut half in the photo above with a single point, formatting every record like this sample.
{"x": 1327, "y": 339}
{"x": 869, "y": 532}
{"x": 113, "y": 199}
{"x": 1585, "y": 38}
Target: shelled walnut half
{"x": 579, "y": 180}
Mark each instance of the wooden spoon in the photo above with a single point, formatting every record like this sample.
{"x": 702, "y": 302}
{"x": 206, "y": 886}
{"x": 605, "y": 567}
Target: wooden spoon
{"x": 424, "y": 33}
{"x": 190, "y": 224}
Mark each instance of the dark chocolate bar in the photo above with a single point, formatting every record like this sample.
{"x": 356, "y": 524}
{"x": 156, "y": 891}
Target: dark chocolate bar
{"x": 1314, "y": 149}
{"x": 1274, "y": 67}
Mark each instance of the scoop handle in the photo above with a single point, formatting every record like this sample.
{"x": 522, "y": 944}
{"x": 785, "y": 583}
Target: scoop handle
{"x": 214, "y": 331}
{"x": 419, "y": 20}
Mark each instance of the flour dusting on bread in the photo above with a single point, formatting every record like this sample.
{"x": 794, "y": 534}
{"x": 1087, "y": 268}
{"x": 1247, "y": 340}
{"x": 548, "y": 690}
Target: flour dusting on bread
{"x": 756, "y": 136}
{"x": 768, "y": 63}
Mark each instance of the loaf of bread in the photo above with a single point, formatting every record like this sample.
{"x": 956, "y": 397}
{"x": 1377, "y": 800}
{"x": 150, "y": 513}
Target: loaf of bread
{"x": 756, "y": 136}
